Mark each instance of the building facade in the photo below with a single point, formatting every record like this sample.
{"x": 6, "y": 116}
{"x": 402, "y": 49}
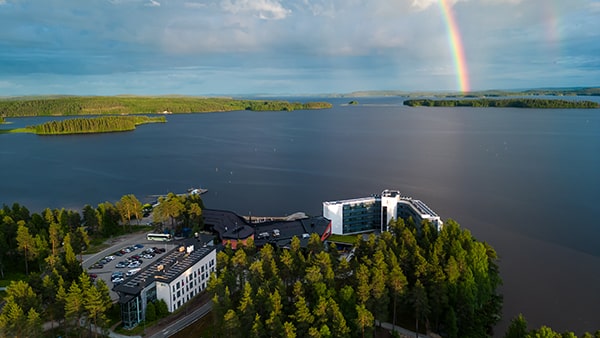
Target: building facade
{"x": 375, "y": 213}
{"x": 176, "y": 277}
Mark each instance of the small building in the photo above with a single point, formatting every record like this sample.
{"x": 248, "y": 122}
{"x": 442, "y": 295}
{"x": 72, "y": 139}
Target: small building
{"x": 367, "y": 214}
{"x": 176, "y": 277}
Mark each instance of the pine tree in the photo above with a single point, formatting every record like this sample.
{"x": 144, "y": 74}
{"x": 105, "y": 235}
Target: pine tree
{"x": 74, "y": 306}
{"x": 303, "y": 319}
{"x": 26, "y": 243}
{"x": 364, "y": 319}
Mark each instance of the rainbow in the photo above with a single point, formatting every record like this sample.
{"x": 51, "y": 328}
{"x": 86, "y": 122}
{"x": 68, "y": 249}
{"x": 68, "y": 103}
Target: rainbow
{"x": 458, "y": 51}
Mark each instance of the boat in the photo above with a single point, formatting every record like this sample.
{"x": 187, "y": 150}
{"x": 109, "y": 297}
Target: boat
{"x": 197, "y": 191}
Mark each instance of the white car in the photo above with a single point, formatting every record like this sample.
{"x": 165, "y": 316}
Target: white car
{"x": 134, "y": 264}
{"x": 132, "y": 272}
{"x": 109, "y": 258}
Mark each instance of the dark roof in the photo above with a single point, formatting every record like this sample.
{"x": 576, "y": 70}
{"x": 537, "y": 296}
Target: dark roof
{"x": 301, "y": 228}
{"x": 174, "y": 263}
{"x": 224, "y": 222}
{"x": 228, "y": 224}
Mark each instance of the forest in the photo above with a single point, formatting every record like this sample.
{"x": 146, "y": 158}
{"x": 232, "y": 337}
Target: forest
{"x": 98, "y": 105}
{"x": 103, "y": 124}
{"x": 40, "y": 262}
{"x": 503, "y": 103}
{"x": 441, "y": 282}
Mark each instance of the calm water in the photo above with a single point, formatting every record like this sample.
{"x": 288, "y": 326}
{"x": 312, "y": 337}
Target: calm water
{"x": 524, "y": 180}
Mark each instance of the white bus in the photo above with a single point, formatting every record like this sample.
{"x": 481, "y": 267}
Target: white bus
{"x": 159, "y": 237}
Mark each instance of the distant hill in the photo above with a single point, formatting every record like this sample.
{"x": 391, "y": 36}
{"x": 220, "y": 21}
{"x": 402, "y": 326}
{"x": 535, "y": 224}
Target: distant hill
{"x": 573, "y": 91}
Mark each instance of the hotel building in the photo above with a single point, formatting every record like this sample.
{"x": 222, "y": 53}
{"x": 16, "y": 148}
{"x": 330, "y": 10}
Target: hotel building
{"x": 176, "y": 277}
{"x": 375, "y": 213}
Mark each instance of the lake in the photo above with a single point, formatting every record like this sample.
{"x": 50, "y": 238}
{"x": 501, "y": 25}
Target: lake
{"x": 524, "y": 180}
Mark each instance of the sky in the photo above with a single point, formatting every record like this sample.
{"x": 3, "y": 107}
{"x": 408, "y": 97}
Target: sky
{"x": 295, "y": 47}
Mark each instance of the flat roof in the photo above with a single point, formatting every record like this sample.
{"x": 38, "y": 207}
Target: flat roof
{"x": 420, "y": 206}
{"x": 174, "y": 263}
{"x": 289, "y": 229}
{"x": 353, "y": 200}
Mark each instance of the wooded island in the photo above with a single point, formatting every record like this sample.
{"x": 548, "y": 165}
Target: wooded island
{"x": 103, "y": 124}
{"x": 503, "y": 103}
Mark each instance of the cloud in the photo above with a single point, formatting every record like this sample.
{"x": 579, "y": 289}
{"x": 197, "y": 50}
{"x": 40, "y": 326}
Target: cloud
{"x": 264, "y": 9}
{"x": 195, "y": 5}
{"x": 374, "y": 42}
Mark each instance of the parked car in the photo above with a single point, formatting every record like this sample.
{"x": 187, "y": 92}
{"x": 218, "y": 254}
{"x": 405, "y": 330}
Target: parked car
{"x": 134, "y": 265}
{"x": 109, "y": 258}
{"x": 131, "y": 272}
{"x": 97, "y": 266}
{"x": 121, "y": 264}
{"x": 138, "y": 246}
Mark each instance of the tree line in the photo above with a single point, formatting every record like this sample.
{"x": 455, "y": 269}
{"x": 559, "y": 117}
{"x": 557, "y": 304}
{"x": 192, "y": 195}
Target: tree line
{"x": 503, "y": 103}
{"x": 30, "y": 238}
{"x": 442, "y": 281}
{"x": 98, "y": 105}
{"x": 518, "y": 329}
{"x": 102, "y": 124}
{"x": 42, "y": 254}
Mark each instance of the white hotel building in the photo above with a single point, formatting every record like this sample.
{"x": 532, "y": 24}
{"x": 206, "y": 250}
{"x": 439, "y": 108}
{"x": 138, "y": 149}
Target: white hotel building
{"x": 179, "y": 275}
{"x": 375, "y": 213}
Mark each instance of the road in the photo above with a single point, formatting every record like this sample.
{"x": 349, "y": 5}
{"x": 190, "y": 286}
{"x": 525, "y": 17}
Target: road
{"x": 182, "y": 323}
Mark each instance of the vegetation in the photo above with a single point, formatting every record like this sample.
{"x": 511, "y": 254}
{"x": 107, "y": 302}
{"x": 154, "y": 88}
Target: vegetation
{"x": 98, "y": 105}
{"x": 42, "y": 254}
{"x": 104, "y": 124}
{"x": 518, "y": 329}
{"x": 514, "y": 103}
{"x": 445, "y": 282}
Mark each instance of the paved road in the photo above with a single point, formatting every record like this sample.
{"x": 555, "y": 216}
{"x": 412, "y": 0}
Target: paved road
{"x": 182, "y": 323}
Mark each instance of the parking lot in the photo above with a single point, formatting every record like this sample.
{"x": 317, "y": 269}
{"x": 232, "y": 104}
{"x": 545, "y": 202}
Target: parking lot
{"x": 126, "y": 256}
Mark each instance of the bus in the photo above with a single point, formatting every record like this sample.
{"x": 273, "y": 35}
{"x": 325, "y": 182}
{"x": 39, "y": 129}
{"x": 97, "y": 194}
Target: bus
{"x": 159, "y": 237}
